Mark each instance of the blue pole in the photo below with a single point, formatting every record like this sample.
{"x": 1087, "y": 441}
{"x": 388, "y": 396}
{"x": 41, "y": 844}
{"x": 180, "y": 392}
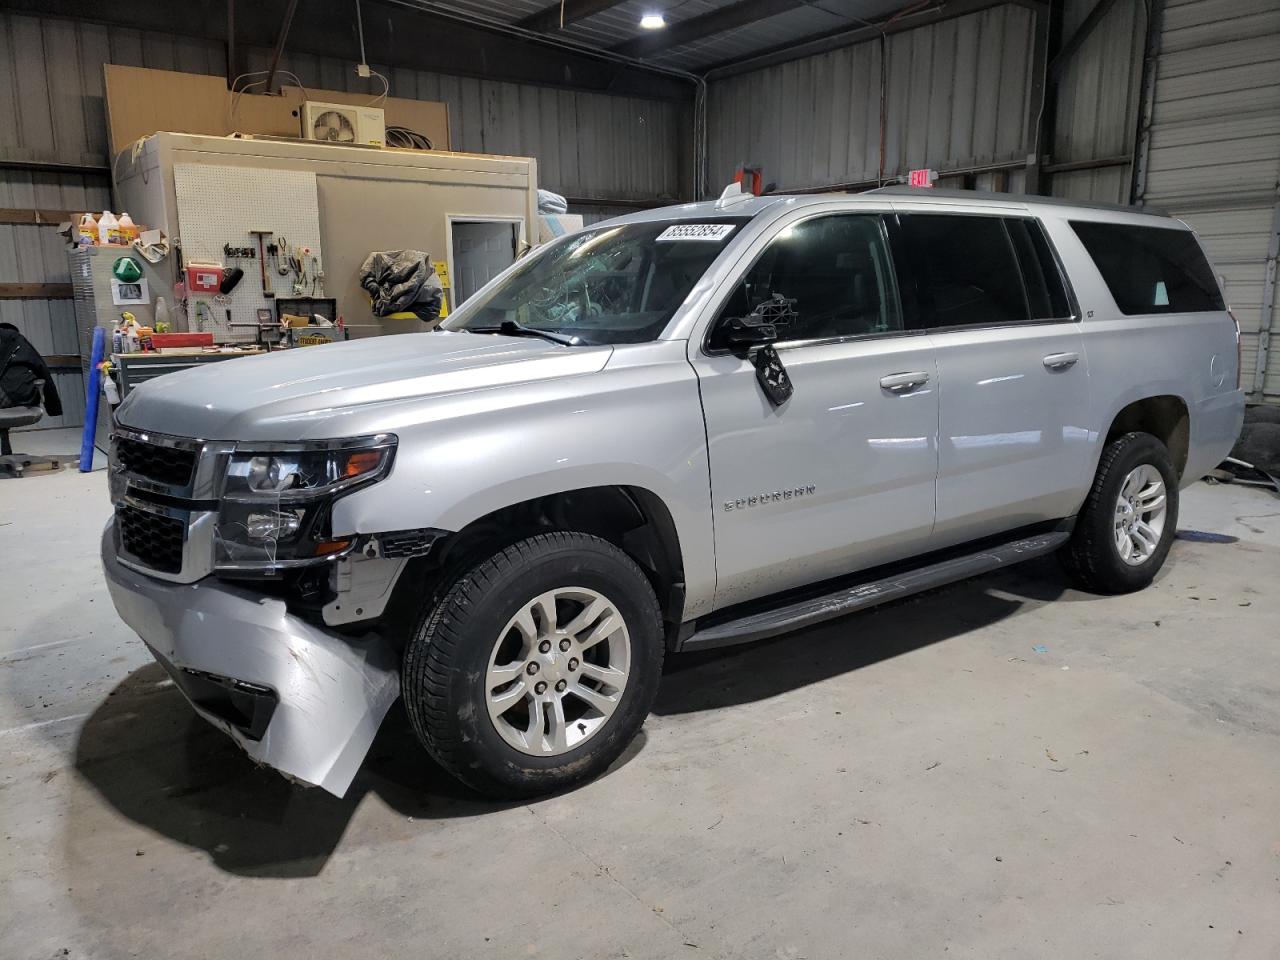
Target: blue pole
{"x": 92, "y": 392}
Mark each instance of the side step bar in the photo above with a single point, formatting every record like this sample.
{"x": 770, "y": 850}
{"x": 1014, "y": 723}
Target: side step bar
{"x": 805, "y": 613}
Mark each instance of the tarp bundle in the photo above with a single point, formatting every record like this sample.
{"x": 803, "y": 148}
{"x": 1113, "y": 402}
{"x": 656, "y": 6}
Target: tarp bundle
{"x": 402, "y": 280}
{"x": 549, "y": 202}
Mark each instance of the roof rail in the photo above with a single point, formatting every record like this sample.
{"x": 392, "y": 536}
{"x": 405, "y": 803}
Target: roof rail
{"x": 951, "y": 193}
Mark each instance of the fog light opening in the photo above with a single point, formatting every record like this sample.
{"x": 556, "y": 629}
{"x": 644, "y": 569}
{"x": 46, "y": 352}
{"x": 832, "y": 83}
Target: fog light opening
{"x": 274, "y": 525}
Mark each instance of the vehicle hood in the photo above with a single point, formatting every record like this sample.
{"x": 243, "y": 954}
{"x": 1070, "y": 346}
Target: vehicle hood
{"x": 297, "y": 394}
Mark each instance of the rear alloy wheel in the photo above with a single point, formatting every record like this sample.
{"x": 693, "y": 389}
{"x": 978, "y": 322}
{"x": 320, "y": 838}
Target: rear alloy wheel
{"x": 1140, "y": 513}
{"x": 1125, "y": 528}
{"x": 537, "y": 667}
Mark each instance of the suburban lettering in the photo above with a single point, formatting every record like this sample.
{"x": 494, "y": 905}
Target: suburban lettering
{"x": 772, "y": 496}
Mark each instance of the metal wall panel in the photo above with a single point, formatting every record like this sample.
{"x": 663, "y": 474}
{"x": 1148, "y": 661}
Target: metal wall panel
{"x": 36, "y": 254}
{"x": 1098, "y": 91}
{"x": 1213, "y": 155}
{"x": 587, "y": 144}
{"x": 52, "y": 111}
{"x": 957, "y": 96}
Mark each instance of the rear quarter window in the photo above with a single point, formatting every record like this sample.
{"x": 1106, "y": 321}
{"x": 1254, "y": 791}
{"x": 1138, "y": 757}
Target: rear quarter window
{"x": 1151, "y": 269}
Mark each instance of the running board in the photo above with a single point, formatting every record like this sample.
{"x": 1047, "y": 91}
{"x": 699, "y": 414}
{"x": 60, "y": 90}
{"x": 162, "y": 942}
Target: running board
{"x": 805, "y": 613}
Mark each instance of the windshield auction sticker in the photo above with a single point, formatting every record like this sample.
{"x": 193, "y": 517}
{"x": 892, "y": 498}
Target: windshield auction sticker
{"x": 696, "y": 231}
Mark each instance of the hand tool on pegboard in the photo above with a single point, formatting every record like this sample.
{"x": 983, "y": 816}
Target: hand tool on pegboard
{"x": 262, "y": 260}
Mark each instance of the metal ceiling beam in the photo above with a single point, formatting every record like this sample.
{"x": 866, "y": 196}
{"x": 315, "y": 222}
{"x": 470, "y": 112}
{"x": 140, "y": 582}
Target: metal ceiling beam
{"x": 848, "y": 36}
{"x": 232, "y": 70}
{"x": 283, "y": 35}
{"x": 570, "y": 11}
{"x": 1073, "y": 43}
{"x": 402, "y": 34}
{"x": 706, "y": 25}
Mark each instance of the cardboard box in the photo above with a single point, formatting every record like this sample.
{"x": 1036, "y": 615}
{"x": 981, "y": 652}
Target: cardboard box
{"x": 141, "y": 101}
{"x": 552, "y": 225}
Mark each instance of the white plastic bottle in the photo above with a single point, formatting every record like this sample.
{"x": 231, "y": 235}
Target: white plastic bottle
{"x": 108, "y": 228}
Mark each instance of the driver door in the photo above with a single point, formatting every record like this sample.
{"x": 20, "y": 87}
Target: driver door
{"x": 841, "y": 476}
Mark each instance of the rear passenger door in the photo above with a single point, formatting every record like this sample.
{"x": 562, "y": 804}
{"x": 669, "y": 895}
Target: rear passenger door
{"x": 1013, "y": 438}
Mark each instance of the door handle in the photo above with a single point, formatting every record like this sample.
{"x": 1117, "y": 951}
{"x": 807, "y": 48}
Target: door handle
{"x": 1060, "y": 361}
{"x": 904, "y": 382}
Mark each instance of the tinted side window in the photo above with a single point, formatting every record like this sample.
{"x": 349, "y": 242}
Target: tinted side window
{"x": 1046, "y": 294}
{"x": 1151, "y": 269}
{"x": 836, "y": 268}
{"x": 965, "y": 270}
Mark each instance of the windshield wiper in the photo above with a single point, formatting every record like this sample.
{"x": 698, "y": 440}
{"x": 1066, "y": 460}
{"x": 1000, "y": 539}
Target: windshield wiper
{"x": 509, "y": 328}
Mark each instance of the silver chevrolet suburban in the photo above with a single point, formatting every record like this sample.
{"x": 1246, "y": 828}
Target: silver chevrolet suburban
{"x": 694, "y": 426}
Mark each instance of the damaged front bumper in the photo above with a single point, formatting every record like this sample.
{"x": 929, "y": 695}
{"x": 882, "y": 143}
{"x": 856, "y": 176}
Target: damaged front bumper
{"x": 294, "y": 696}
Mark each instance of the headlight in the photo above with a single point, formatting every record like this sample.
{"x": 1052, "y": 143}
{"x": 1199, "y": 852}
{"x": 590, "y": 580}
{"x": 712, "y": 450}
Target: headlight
{"x": 276, "y": 501}
{"x": 301, "y": 473}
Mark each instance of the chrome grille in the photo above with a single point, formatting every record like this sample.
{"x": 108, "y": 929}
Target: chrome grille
{"x": 153, "y": 540}
{"x": 164, "y": 489}
{"x": 171, "y": 466}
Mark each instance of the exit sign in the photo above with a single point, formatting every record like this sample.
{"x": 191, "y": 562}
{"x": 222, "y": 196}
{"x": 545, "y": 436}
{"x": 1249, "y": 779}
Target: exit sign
{"x": 922, "y": 178}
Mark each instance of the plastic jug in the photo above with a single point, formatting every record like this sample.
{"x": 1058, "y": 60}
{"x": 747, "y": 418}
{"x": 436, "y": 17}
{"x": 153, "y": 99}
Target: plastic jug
{"x": 162, "y": 316}
{"x": 128, "y": 332}
{"x": 87, "y": 232}
{"x": 108, "y": 228}
{"x": 128, "y": 229}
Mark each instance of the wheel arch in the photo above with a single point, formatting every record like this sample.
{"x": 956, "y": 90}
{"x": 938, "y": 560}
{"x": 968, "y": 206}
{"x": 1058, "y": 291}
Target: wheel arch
{"x": 633, "y": 518}
{"x": 1166, "y": 417}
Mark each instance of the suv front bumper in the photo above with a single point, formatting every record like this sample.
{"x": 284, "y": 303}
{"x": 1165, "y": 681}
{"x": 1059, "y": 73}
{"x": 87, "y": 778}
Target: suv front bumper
{"x": 294, "y": 696}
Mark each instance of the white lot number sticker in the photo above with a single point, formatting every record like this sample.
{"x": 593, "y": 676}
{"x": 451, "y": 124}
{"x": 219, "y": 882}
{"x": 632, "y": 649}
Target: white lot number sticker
{"x": 696, "y": 231}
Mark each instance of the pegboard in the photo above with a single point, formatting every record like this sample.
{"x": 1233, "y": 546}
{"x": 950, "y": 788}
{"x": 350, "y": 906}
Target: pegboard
{"x": 217, "y": 207}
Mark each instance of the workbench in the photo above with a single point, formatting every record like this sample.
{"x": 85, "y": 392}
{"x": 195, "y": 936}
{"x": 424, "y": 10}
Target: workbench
{"x": 131, "y": 369}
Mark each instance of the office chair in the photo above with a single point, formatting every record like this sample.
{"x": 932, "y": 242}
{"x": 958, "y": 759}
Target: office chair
{"x": 13, "y": 464}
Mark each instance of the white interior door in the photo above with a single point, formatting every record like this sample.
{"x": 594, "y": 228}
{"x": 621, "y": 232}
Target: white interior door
{"x": 481, "y": 250}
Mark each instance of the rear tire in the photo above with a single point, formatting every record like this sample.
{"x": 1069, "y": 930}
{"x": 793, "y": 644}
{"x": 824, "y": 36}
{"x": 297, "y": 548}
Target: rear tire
{"x": 538, "y": 666}
{"x": 1126, "y": 527}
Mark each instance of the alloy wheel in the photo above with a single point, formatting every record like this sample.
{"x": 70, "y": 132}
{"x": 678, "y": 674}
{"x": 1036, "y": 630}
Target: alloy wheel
{"x": 1140, "y": 513}
{"x": 558, "y": 671}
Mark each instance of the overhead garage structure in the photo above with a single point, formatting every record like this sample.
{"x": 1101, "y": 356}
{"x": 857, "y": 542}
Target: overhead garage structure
{"x": 697, "y": 479}
{"x": 1053, "y": 97}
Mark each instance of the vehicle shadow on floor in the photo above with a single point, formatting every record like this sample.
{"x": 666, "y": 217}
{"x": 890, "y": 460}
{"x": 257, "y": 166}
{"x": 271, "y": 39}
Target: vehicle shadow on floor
{"x": 148, "y": 755}
{"x": 712, "y": 679}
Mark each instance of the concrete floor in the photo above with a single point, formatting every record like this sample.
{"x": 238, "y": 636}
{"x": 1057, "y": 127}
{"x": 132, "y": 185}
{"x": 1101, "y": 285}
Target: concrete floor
{"x": 1003, "y": 768}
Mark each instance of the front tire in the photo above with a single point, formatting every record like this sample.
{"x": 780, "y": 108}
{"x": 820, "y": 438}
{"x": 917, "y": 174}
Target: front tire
{"x": 537, "y": 667}
{"x": 1126, "y": 527}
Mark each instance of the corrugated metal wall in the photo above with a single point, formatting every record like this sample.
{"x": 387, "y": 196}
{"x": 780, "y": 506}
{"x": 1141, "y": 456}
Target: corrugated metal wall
{"x": 36, "y": 254}
{"x": 958, "y": 96}
{"x": 1214, "y": 154}
{"x": 52, "y": 110}
{"x": 1097, "y": 102}
{"x": 587, "y": 144}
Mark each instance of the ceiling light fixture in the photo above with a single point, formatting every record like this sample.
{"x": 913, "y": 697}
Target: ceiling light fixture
{"x": 653, "y": 21}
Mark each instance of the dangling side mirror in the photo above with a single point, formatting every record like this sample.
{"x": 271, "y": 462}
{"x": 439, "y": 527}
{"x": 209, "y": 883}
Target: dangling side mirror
{"x": 754, "y": 336}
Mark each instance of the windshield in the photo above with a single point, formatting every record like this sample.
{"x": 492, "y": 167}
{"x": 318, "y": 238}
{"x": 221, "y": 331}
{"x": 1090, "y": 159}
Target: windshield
{"x": 614, "y": 285}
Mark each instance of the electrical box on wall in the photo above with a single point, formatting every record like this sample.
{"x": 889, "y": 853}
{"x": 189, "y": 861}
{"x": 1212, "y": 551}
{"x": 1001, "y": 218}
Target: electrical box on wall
{"x": 343, "y": 123}
{"x": 204, "y": 277}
